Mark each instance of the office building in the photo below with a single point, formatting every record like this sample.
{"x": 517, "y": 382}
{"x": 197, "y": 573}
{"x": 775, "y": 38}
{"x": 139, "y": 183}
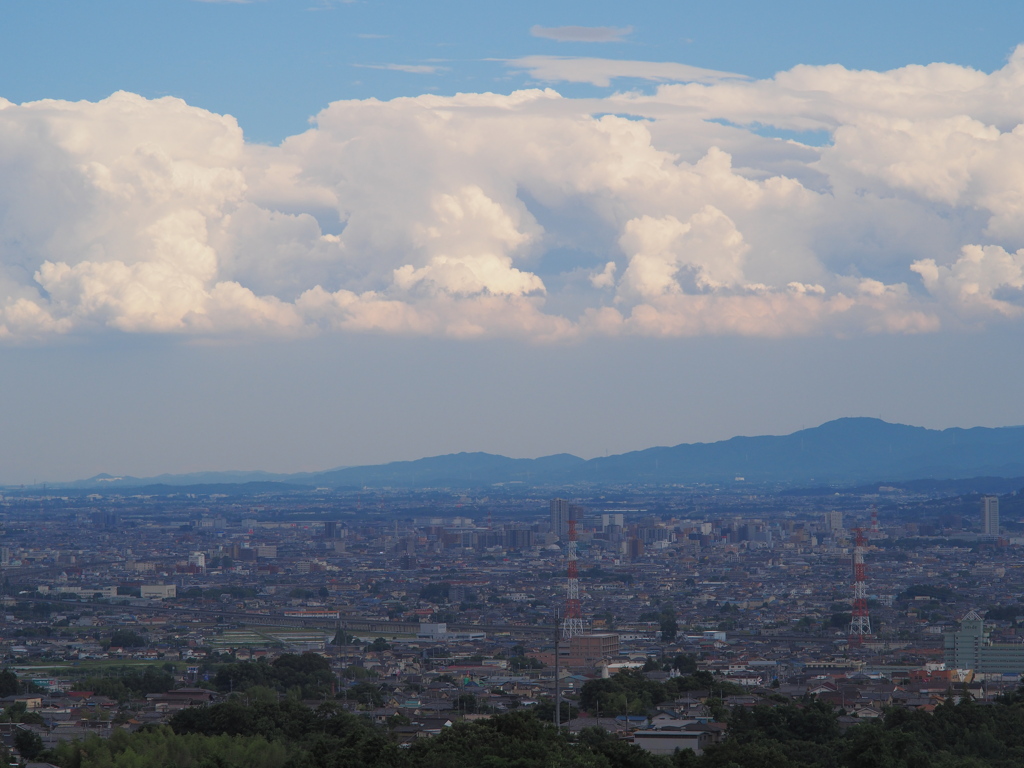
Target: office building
{"x": 585, "y": 650}
{"x": 614, "y": 519}
{"x": 634, "y": 548}
{"x": 970, "y": 647}
{"x": 158, "y": 591}
{"x": 834, "y": 521}
{"x": 561, "y": 513}
{"x": 990, "y": 515}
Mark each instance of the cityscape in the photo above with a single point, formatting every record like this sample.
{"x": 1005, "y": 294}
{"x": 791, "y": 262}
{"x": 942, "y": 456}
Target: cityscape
{"x": 432, "y": 607}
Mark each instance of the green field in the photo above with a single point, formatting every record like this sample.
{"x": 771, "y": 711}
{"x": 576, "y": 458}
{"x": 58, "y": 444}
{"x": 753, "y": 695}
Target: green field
{"x": 91, "y": 665}
{"x": 265, "y": 637}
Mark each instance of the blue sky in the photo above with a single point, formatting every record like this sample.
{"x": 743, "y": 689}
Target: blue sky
{"x": 275, "y": 63}
{"x": 364, "y": 231}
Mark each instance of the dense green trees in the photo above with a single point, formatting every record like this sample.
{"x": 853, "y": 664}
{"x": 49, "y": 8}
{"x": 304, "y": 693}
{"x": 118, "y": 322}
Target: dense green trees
{"x": 965, "y": 734}
{"x": 9, "y": 683}
{"x": 344, "y": 638}
{"x": 27, "y": 611}
{"x": 127, "y": 683}
{"x": 29, "y": 744}
{"x": 126, "y": 638}
{"x": 684, "y": 662}
{"x": 807, "y": 735}
{"x": 776, "y": 734}
{"x": 944, "y": 594}
{"x": 435, "y": 593}
{"x": 1004, "y": 612}
{"x": 288, "y": 735}
{"x": 516, "y": 663}
{"x": 544, "y": 710}
{"x": 632, "y": 693}
{"x": 325, "y": 736}
{"x": 511, "y": 741}
{"x": 162, "y": 748}
{"x": 309, "y": 672}
{"x": 18, "y": 712}
{"x": 780, "y": 736}
{"x": 366, "y": 693}
{"x": 668, "y": 625}
{"x": 627, "y": 693}
{"x": 666, "y": 619}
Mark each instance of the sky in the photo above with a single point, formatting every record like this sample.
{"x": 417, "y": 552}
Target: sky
{"x": 299, "y": 235}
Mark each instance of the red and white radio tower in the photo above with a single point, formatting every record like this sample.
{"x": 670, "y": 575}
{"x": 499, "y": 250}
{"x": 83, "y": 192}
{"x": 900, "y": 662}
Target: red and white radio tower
{"x": 572, "y": 624}
{"x": 875, "y": 531}
{"x": 860, "y": 623}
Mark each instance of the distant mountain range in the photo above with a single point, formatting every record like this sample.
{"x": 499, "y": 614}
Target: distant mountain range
{"x": 845, "y": 452}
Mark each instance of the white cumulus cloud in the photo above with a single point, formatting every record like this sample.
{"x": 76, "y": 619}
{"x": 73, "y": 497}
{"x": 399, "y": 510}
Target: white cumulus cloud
{"x": 529, "y": 215}
{"x": 707, "y": 244}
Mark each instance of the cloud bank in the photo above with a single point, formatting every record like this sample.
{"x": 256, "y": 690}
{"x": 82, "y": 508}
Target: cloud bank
{"x": 601, "y": 72}
{"x": 673, "y": 213}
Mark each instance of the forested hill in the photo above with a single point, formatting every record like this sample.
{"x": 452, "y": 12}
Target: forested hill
{"x": 845, "y": 451}
{"x": 841, "y": 452}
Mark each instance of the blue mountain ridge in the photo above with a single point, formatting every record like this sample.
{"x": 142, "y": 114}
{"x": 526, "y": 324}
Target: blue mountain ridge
{"x": 841, "y": 452}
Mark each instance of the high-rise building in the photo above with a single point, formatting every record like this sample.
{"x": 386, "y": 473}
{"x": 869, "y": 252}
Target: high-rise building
{"x": 517, "y": 538}
{"x": 559, "y": 516}
{"x": 635, "y": 548}
{"x": 105, "y": 519}
{"x": 990, "y": 515}
{"x": 834, "y": 521}
{"x": 608, "y": 520}
{"x": 561, "y": 513}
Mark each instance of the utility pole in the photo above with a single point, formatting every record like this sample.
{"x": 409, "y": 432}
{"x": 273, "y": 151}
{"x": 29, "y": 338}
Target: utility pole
{"x": 558, "y": 686}
{"x": 344, "y": 665}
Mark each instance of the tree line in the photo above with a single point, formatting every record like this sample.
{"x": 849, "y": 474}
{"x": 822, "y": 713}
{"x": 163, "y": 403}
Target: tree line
{"x": 775, "y": 734}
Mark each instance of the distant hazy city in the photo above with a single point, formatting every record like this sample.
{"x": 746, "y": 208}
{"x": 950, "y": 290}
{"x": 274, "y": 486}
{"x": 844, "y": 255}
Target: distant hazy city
{"x": 418, "y": 608}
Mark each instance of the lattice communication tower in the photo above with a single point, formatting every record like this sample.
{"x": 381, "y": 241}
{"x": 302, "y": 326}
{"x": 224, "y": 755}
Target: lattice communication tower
{"x": 860, "y": 623}
{"x": 572, "y": 624}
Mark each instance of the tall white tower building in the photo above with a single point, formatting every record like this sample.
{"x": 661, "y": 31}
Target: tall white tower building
{"x": 198, "y": 559}
{"x": 990, "y": 515}
{"x": 560, "y": 517}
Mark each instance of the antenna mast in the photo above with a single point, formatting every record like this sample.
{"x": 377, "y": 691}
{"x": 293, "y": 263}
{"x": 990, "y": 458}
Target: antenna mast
{"x": 860, "y": 623}
{"x": 572, "y": 625}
